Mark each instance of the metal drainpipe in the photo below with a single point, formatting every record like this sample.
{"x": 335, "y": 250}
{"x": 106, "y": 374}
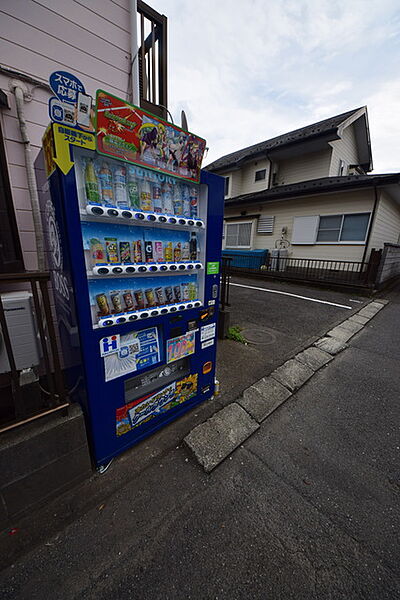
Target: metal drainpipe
{"x": 371, "y": 224}
{"x": 30, "y": 172}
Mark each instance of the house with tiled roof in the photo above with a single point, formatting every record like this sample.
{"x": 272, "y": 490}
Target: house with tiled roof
{"x": 309, "y": 191}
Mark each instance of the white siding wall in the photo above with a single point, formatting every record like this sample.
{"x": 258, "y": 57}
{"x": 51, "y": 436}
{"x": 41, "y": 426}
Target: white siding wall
{"x": 285, "y": 211}
{"x": 386, "y": 226}
{"x": 235, "y": 183}
{"x": 248, "y": 175}
{"x": 304, "y": 167}
{"x": 242, "y": 181}
{"x": 89, "y": 39}
{"x": 344, "y": 149}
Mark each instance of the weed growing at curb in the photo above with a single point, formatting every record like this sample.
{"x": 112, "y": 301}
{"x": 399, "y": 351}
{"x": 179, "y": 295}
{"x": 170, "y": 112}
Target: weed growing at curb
{"x": 235, "y": 335}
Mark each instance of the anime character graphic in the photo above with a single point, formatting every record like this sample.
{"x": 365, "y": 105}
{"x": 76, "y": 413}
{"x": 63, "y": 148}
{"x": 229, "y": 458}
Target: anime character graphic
{"x": 162, "y": 146}
{"x": 148, "y": 136}
{"x": 176, "y": 146}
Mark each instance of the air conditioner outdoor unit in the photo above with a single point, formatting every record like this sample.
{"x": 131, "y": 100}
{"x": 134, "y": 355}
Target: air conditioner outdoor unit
{"x": 22, "y": 331}
{"x": 276, "y": 255}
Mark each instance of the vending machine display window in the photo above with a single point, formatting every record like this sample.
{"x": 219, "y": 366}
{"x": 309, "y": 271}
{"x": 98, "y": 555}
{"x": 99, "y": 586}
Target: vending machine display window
{"x": 144, "y": 239}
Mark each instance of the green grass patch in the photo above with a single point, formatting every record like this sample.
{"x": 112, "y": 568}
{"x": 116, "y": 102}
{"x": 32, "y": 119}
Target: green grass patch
{"x": 234, "y": 333}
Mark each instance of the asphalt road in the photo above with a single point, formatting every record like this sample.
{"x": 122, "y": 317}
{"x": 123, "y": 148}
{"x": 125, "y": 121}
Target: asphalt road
{"x": 278, "y": 326}
{"x": 307, "y": 508}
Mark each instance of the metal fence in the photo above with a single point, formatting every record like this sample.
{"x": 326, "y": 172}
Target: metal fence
{"x": 45, "y": 390}
{"x": 354, "y": 273}
{"x": 225, "y": 281}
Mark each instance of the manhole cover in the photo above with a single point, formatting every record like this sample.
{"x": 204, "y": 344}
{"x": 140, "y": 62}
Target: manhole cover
{"x": 258, "y": 335}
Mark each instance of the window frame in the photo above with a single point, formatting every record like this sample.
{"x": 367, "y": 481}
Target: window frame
{"x": 227, "y": 185}
{"x": 17, "y": 265}
{"x": 344, "y": 242}
{"x": 251, "y": 221}
{"x": 261, "y": 178}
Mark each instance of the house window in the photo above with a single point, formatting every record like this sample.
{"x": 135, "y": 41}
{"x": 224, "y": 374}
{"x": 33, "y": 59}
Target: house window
{"x": 332, "y": 229}
{"x": 343, "y": 228}
{"x": 238, "y": 235}
{"x": 10, "y": 249}
{"x": 260, "y": 175}
{"x": 227, "y": 186}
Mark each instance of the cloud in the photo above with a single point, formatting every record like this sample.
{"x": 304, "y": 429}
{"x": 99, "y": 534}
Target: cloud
{"x": 247, "y": 71}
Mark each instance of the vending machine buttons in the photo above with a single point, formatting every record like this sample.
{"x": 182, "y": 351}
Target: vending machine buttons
{"x": 130, "y": 269}
{"x": 127, "y": 214}
{"x": 139, "y": 216}
{"x": 172, "y": 220}
{"x": 94, "y": 210}
{"x": 112, "y": 212}
{"x": 162, "y": 219}
{"x": 117, "y": 270}
{"x": 151, "y": 217}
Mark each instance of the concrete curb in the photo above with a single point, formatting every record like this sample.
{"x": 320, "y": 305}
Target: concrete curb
{"x": 215, "y": 439}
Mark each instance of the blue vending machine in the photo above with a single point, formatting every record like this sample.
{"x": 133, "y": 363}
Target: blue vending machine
{"x": 134, "y": 241}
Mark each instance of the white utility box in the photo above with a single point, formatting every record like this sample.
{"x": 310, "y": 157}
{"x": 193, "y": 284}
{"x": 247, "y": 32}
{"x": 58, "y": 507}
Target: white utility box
{"x": 22, "y": 331}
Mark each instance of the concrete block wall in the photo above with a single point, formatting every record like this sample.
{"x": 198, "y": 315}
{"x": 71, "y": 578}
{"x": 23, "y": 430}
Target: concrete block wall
{"x": 40, "y": 461}
{"x": 389, "y": 267}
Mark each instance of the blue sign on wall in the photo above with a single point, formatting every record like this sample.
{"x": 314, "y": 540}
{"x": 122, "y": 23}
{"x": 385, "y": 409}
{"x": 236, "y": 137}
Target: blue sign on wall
{"x": 66, "y": 86}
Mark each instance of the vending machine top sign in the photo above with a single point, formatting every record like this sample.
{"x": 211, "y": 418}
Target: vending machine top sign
{"x": 127, "y": 132}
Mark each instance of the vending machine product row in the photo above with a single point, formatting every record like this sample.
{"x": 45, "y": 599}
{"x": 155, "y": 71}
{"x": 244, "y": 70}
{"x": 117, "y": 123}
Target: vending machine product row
{"x": 134, "y": 257}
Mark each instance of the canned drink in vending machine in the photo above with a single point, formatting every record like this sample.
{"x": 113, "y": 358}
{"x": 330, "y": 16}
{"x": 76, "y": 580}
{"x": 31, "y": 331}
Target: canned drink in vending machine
{"x": 128, "y": 299}
{"x": 116, "y": 301}
{"x": 168, "y": 252}
{"x": 177, "y": 293}
{"x": 137, "y": 251}
{"x": 160, "y": 296}
{"x": 169, "y": 294}
{"x": 139, "y": 298}
{"x": 148, "y": 250}
{"x": 111, "y": 249}
{"x": 158, "y": 251}
{"x": 192, "y": 290}
{"x": 185, "y": 291}
{"x": 150, "y": 298}
{"x": 125, "y": 252}
{"x": 102, "y": 303}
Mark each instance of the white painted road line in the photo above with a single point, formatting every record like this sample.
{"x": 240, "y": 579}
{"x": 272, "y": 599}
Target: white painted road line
{"x": 357, "y": 301}
{"x": 250, "y": 287}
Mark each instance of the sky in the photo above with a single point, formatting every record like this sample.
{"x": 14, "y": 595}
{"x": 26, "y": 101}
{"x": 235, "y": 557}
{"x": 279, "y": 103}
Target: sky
{"x": 247, "y": 70}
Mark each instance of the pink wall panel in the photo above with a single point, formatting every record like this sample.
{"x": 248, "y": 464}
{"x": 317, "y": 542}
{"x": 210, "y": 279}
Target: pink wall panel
{"x": 90, "y": 19}
{"x": 44, "y": 45}
{"x": 24, "y": 220}
{"x": 21, "y": 199}
{"x": 73, "y": 34}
